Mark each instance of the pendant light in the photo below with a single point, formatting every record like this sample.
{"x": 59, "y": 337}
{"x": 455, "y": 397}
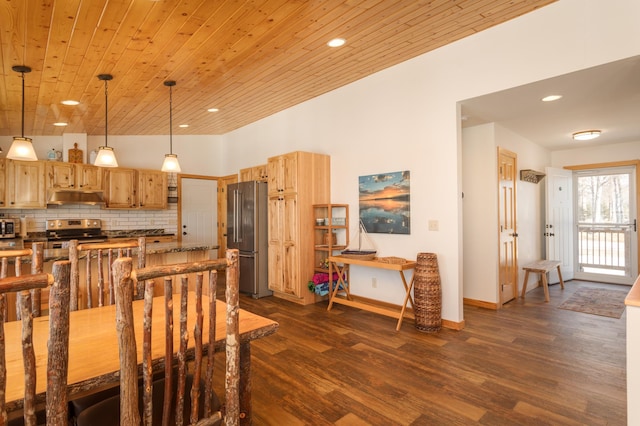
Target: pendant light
{"x": 22, "y": 148}
{"x": 106, "y": 157}
{"x": 170, "y": 163}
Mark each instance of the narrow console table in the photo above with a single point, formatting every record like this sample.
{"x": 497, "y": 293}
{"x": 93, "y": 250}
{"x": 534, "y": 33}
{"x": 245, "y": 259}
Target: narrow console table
{"x": 340, "y": 292}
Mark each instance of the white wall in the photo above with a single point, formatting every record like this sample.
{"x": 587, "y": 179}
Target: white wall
{"x": 598, "y": 154}
{"x": 405, "y": 118}
{"x": 480, "y": 213}
{"x": 480, "y": 207}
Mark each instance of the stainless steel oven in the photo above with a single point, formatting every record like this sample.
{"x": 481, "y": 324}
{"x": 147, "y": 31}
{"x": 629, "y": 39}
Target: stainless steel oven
{"x": 60, "y": 231}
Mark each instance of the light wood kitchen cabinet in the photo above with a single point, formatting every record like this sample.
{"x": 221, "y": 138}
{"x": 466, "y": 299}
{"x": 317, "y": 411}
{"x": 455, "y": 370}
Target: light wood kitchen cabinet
{"x": 254, "y": 173}
{"x": 60, "y": 175}
{"x": 282, "y": 172}
{"x": 283, "y": 245}
{"x": 152, "y": 189}
{"x": 134, "y": 189}
{"x": 120, "y": 188}
{"x": 291, "y": 249}
{"x": 88, "y": 177}
{"x": 3, "y": 183}
{"x": 25, "y": 185}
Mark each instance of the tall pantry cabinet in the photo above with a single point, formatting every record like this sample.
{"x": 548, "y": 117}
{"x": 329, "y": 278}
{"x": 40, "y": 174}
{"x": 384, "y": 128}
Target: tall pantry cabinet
{"x": 296, "y": 181}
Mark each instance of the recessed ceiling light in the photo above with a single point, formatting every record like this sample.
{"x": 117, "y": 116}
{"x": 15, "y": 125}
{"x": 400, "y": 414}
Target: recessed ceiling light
{"x": 213, "y": 110}
{"x": 183, "y": 125}
{"x": 586, "y": 135}
{"x": 336, "y": 42}
{"x": 551, "y": 98}
{"x": 70, "y": 102}
{"x": 60, "y": 124}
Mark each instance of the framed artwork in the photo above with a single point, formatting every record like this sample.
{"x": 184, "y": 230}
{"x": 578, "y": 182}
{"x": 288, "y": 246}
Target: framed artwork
{"x": 384, "y": 203}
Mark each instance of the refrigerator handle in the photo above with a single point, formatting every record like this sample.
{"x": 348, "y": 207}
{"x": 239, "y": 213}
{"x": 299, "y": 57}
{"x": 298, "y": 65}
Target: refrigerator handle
{"x": 237, "y": 217}
{"x": 234, "y": 237}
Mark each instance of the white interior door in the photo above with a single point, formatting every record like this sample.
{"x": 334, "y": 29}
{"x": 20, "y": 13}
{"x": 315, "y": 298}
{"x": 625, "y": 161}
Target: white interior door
{"x": 559, "y": 227}
{"x": 200, "y": 212}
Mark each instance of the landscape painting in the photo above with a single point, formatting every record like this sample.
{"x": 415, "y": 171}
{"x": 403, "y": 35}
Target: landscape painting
{"x": 384, "y": 203}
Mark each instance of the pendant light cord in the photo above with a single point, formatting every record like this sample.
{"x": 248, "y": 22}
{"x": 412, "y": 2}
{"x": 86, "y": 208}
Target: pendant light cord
{"x": 22, "y": 74}
{"x": 106, "y": 114}
{"x": 170, "y": 119}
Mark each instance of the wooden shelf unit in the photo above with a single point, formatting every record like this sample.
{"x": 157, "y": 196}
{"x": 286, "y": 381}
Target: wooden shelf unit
{"x": 335, "y": 222}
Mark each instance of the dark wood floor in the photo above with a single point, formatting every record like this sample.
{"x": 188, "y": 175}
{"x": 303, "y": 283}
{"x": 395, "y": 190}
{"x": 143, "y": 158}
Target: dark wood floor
{"x": 527, "y": 364}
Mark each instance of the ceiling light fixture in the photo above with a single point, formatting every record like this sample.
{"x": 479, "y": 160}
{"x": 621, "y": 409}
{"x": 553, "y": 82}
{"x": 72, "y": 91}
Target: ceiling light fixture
{"x": 60, "y": 124}
{"x": 586, "y": 135}
{"x": 336, "y": 42}
{"x": 171, "y": 163}
{"x": 70, "y": 102}
{"x": 213, "y": 110}
{"x": 22, "y": 148}
{"x": 551, "y": 98}
{"x": 106, "y": 157}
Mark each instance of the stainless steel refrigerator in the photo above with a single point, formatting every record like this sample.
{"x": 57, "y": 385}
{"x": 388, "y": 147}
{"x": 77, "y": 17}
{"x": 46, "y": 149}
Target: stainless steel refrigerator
{"x": 247, "y": 232}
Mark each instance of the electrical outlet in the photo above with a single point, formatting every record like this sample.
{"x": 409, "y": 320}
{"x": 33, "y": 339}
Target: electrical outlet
{"x": 374, "y": 282}
{"x": 433, "y": 225}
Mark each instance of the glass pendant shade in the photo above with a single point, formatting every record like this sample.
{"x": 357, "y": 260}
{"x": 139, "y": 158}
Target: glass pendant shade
{"x": 22, "y": 149}
{"x": 106, "y": 157}
{"x": 171, "y": 163}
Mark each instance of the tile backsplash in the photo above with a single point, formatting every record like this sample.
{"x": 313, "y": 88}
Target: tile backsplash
{"x": 112, "y": 220}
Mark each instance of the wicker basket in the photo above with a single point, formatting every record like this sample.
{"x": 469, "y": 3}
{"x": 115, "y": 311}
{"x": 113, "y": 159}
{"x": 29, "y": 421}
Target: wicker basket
{"x": 350, "y": 254}
{"x": 392, "y": 260}
{"x": 427, "y": 293}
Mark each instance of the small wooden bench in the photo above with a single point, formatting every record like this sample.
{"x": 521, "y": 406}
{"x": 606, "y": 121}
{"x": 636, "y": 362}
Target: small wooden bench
{"x": 541, "y": 267}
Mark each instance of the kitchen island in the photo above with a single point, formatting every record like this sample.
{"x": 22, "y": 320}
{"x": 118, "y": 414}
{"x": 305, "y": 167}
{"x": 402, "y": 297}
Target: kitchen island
{"x": 157, "y": 253}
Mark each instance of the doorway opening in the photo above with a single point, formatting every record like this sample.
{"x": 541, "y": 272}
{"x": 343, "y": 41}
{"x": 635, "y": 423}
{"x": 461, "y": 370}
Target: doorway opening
{"x": 605, "y": 239}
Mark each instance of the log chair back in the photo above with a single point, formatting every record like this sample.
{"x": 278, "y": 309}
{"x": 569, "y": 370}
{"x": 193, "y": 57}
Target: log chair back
{"x": 125, "y": 277}
{"x": 58, "y": 344}
{"x": 104, "y": 254}
{"x": 36, "y": 253}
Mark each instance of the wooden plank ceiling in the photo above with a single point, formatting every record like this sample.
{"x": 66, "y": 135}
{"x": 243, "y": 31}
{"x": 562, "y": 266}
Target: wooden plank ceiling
{"x": 250, "y": 59}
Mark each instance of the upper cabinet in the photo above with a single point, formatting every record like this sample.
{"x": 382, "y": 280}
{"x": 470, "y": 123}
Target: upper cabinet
{"x": 152, "y": 189}
{"x": 120, "y": 188}
{"x": 254, "y": 173}
{"x": 283, "y": 173}
{"x": 88, "y": 177}
{"x": 25, "y": 185}
{"x": 134, "y": 189}
{"x": 61, "y": 175}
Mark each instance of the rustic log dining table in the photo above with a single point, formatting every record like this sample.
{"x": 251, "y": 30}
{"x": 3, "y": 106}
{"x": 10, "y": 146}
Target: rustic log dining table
{"x": 93, "y": 349}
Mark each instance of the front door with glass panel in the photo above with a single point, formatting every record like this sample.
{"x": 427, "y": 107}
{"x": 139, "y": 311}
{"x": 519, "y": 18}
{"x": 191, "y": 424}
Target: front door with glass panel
{"x": 606, "y": 237}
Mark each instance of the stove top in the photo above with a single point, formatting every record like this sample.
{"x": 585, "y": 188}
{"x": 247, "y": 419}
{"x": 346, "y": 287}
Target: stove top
{"x": 59, "y": 224}
{"x": 68, "y": 229}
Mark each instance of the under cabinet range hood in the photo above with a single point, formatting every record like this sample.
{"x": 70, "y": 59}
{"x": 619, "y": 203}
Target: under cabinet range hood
{"x": 69, "y": 196}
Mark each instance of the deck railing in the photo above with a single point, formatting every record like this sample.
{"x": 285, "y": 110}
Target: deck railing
{"x": 604, "y": 247}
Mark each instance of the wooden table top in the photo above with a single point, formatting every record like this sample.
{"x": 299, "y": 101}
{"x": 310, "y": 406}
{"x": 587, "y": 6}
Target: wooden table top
{"x": 93, "y": 344}
{"x": 375, "y": 263}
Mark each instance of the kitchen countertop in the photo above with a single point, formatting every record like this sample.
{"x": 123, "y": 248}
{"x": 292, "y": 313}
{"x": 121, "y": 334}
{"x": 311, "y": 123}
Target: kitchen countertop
{"x": 51, "y": 255}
